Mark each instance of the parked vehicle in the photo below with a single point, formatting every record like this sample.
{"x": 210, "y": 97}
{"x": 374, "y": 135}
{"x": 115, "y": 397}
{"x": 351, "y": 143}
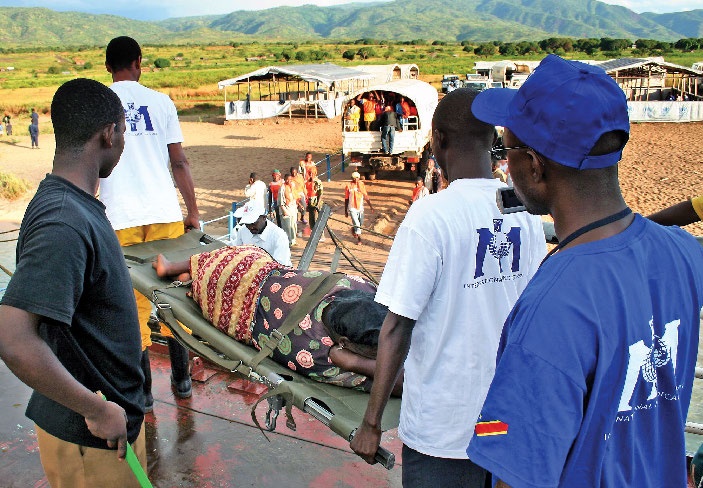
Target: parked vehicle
{"x": 362, "y": 148}
{"x": 482, "y": 84}
{"x": 450, "y": 82}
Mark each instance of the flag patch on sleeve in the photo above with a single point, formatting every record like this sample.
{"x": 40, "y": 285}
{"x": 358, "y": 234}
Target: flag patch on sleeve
{"x": 493, "y": 427}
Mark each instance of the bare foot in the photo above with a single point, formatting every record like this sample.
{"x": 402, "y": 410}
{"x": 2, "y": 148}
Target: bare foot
{"x": 163, "y": 267}
{"x": 166, "y": 269}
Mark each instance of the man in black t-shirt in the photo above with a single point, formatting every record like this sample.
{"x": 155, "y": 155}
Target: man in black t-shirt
{"x": 68, "y": 320}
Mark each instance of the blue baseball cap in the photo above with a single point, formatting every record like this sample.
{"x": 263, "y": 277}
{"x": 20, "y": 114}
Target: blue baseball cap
{"x": 561, "y": 111}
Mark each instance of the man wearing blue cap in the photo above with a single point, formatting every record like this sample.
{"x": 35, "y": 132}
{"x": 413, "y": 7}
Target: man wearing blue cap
{"x": 596, "y": 360}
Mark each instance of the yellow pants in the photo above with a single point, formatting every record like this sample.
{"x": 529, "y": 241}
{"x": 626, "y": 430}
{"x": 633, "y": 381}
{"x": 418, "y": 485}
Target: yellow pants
{"x": 68, "y": 465}
{"x": 148, "y": 233}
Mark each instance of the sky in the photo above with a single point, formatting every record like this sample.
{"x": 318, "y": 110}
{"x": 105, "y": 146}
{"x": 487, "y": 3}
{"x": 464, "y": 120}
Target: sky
{"x": 163, "y": 9}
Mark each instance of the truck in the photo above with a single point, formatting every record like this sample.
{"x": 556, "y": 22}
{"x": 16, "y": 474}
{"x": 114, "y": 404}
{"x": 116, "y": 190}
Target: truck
{"x": 481, "y": 84}
{"x": 412, "y": 145}
{"x": 450, "y": 82}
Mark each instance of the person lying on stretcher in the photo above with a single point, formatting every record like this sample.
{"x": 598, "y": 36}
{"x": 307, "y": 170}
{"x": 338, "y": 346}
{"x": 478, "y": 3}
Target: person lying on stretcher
{"x": 246, "y": 294}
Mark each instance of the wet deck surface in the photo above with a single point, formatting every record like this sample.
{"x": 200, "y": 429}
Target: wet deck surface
{"x": 208, "y": 440}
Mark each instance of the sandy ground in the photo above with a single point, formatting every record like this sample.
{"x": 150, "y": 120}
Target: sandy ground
{"x": 662, "y": 165}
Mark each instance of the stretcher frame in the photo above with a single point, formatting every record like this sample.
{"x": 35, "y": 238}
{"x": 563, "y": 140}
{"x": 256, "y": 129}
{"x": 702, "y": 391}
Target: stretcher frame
{"x": 341, "y": 409}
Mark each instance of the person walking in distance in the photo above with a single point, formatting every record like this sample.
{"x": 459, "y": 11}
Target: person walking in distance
{"x": 354, "y": 198}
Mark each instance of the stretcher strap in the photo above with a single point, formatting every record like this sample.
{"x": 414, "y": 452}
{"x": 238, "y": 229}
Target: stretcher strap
{"x": 317, "y": 289}
{"x": 287, "y": 395}
{"x": 166, "y": 314}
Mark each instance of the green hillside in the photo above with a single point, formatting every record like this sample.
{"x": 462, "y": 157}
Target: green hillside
{"x": 690, "y": 24}
{"x": 399, "y": 20}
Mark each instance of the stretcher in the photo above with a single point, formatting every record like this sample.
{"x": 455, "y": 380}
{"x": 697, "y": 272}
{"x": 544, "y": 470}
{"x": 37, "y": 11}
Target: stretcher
{"x": 340, "y": 409}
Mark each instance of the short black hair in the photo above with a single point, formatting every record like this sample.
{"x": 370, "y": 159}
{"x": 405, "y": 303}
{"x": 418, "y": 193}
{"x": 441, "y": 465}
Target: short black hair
{"x": 453, "y": 117}
{"x": 80, "y": 108}
{"x": 355, "y": 315}
{"x": 121, "y": 52}
{"x": 252, "y": 176}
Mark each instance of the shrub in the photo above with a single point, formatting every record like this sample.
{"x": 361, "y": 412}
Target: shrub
{"x": 12, "y": 187}
{"x": 162, "y": 63}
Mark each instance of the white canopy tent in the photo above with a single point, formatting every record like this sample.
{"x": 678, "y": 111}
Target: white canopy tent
{"x": 274, "y": 90}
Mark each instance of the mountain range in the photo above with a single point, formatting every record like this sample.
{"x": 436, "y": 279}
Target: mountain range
{"x": 445, "y": 20}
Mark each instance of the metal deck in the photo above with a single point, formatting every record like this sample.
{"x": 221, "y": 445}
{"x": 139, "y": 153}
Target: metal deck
{"x": 208, "y": 440}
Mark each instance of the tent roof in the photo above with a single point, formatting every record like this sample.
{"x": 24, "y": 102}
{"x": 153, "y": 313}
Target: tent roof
{"x": 627, "y": 64}
{"x": 326, "y": 73}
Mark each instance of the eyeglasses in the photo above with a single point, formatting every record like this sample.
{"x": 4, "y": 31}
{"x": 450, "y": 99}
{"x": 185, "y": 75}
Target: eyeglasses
{"x": 501, "y": 152}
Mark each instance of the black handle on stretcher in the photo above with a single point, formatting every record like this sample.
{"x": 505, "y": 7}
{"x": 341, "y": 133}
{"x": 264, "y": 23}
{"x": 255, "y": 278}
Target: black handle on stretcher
{"x": 383, "y": 456}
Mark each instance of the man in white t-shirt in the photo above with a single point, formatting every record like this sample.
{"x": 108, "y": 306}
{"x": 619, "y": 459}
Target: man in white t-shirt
{"x": 256, "y": 230}
{"x": 140, "y": 199}
{"x": 456, "y": 268}
{"x": 256, "y": 190}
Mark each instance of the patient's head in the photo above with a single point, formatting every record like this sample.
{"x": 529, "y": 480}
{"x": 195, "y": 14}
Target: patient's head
{"x": 354, "y": 321}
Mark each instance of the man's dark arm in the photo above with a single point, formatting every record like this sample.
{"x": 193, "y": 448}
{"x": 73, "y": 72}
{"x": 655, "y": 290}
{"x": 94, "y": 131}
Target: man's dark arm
{"x": 184, "y": 181}
{"x": 393, "y": 346}
{"x": 35, "y": 364}
{"x": 679, "y": 214}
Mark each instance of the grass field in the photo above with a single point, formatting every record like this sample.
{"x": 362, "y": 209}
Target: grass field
{"x": 191, "y": 80}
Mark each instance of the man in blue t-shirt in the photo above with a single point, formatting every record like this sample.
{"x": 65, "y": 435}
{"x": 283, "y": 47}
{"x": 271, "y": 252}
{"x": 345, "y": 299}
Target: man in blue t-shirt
{"x": 596, "y": 360}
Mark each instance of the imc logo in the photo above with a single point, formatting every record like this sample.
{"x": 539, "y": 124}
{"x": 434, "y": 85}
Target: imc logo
{"x": 645, "y": 360}
{"x": 134, "y": 116}
{"x": 500, "y": 245}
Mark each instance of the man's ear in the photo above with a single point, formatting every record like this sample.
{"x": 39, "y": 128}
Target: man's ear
{"x": 108, "y": 67}
{"x": 106, "y": 135}
{"x": 537, "y": 167}
{"x": 439, "y": 137}
{"x": 138, "y": 63}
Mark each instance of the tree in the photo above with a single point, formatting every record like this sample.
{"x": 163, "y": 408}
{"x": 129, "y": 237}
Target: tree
{"x": 302, "y": 56}
{"x": 349, "y": 55}
{"x": 486, "y": 49}
{"x": 507, "y": 49}
{"x": 162, "y": 63}
{"x": 614, "y": 45}
{"x": 688, "y": 44}
{"x": 366, "y": 52}
{"x": 588, "y": 46}
{"x": 527, "y": 47}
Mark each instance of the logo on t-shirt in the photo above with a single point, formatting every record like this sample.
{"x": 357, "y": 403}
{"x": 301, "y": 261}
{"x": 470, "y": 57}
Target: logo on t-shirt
{"x": 504, "y": 247}
{"x": 134, "y": 116}
{"x": 645, "y": 361}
